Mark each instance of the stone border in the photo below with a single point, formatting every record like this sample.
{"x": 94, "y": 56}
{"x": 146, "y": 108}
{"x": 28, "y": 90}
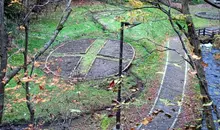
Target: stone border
{"x": 207, "y": 15}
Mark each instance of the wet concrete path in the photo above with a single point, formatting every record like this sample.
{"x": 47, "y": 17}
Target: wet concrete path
{"x": 171, "y": 90}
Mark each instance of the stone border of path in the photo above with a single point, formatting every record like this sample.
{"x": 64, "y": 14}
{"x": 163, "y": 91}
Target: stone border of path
{"x": 141, "y": 126}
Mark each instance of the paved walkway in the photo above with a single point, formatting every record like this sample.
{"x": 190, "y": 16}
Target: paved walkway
{"x": 171, "y": 90}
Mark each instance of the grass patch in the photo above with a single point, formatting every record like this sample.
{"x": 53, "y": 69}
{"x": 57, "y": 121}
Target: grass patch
{"x": 201, "y": 22}
{"x": 90, "y": 56}
{"x": 61, "y": 98}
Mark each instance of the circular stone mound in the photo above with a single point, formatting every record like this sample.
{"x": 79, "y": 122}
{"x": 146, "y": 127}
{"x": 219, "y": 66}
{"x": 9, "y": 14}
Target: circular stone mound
{"x": 208, "y": 15}
{"x": 88, "y": 59}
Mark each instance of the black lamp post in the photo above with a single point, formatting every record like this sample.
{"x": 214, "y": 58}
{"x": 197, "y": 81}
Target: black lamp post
{"x": 118, "y": 114}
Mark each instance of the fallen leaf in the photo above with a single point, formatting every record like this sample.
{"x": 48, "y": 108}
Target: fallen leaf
{"x": 207, "y": 104}
{"x": 97, "y": 116}
{"x": 115, "y": 102}
{"x": 27, "y": 79}
{"x": 134, "y": 89}
{"x": 108, "y": 109}
{"x": 166, "y": 102}
{"x": 111, "y": 85}
{"x": 37, "y": 64}
{"x": 147, "y": 120}
{"x": 192, "y": 72}
{"x": 56, "y": 79}
{"x": 157, "y": 111}
{"x": 159, "y": 72}
{"x": 21, "y": 27}
{"x": 4, "y": 70}
{"x": 177, "y": 65}
{"x": 196, "y": 57}
{"x": 179, "y": 103}
{"x": 41, "y": 87}
{"x": 204, "y": 64}
{"x": 75, "y": 111}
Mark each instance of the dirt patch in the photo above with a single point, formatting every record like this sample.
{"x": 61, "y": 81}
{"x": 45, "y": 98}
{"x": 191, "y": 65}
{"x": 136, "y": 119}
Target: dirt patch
{"x": 103, "y": 68}
{"x": 75, "y": 47}
{"x": 63, "y": 66}
{"x": 128, "y": 51}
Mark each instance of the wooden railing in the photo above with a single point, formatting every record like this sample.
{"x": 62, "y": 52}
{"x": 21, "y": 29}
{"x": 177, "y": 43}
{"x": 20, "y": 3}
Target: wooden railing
{"x": 208, "y": 32}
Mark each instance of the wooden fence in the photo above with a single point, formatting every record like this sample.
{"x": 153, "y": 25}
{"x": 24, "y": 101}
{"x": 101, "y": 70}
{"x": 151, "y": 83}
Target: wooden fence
{"x": 208, "y": 32}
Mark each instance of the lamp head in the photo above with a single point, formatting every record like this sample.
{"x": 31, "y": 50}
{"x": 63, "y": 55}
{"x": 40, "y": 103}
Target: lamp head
{"x": 131, "y": 24}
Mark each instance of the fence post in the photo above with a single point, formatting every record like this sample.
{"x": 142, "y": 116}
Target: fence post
{"x": 213, "y": 34}
{"x": 204, "y": 32}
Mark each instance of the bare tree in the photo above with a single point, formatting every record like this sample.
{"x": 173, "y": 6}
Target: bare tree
{"x": 195, "y": 64}
{"x": 5, "y": 78}
{"x": 3, "y": 57}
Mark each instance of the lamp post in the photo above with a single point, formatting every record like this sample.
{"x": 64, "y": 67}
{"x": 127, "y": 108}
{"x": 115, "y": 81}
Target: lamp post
{"x": 118, "y": 114}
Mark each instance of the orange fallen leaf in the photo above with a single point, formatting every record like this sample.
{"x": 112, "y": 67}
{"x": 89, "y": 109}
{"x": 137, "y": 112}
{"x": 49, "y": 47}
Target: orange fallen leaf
{"x": 192, "y": 72}
{"x": 27, "y": 79}
{"x": 196, "y": 57}
{"x": 147, "y": 120}
{"x": 37, "y": 64}
{"x": 41, "y": 87}
{"x": 111, "y": 85}
{"x": 4, "y": 70}
{"x": 204, "y": 64}
{"x": 56, "y": 79}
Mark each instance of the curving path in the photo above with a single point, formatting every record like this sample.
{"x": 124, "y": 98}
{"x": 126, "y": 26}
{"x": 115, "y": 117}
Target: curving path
{"x": 171, "y": 90}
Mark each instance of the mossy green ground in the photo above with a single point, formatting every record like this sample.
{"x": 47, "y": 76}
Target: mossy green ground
{"x": 61, "y": 99}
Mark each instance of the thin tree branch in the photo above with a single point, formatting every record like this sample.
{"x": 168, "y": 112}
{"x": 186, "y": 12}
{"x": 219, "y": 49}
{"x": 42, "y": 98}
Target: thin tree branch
{"x": 59, "y": 27}
{"x": 29, "y": 13}
{"x": 213, "y": 4}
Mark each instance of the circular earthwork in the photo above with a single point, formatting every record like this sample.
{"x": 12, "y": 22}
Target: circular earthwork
{"x": 88, "y": 59}
{"x": 208, "y": 15}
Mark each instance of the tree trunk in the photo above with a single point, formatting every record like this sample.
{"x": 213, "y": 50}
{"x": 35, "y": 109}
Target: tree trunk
{"x": 3, "y": 57}
{"x": 207, "y": 110}
{"x": 192, "y": 36}
{"x": 27, "y": 89}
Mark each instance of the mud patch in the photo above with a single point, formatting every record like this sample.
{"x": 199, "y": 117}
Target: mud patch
{"x": 75, "y": 47}
{"x": 128, "y": 51}
{"x": 103, "y": 68}
{"x": 63, "y": 66}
